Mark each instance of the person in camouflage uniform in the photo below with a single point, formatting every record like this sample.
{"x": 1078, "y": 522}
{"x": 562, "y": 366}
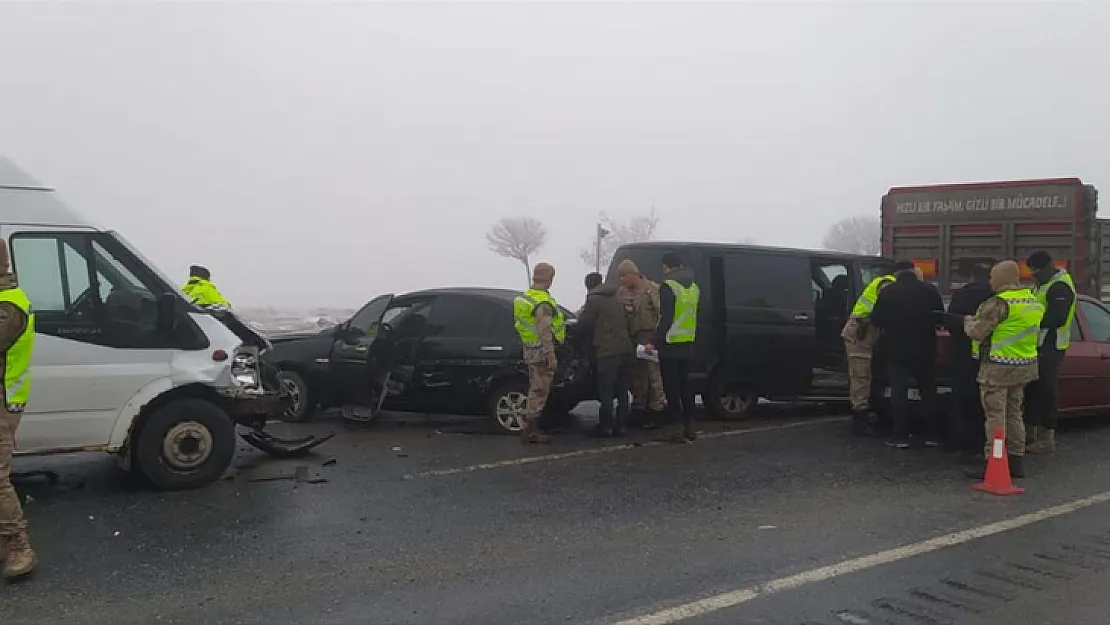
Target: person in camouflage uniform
{"x": 1002, "y": 384}
{"x": 542, "y": 317}
{"x": 860, "y": 338}
{"x": 641, "y": 303}
{"x": 15, "y": 548}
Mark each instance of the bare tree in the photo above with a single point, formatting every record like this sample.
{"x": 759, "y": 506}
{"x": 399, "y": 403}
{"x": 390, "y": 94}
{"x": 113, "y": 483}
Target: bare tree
{"x": 517, "y": 238}
{"x": 747, "y": 241}
{"x": 618, "y": 233}
{"x": 855, "y": 235}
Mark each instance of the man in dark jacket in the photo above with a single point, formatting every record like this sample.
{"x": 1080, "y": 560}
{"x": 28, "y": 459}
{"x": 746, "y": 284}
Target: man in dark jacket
{"x": 1055, "y": 290}
{"x": 966, "y": 425}
{"x": 674, "y": 339}
{"x": 908, "y": 312}
{"x": 603, "y": 315}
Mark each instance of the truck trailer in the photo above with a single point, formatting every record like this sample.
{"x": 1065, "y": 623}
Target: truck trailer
{"x": 943, "y": 228}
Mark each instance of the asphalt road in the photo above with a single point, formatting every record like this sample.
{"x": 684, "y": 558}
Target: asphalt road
{"x": 417, "y": 524}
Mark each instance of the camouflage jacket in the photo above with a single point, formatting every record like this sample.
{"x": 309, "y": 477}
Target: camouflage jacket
{"x": 641, "y": 304}
{"x": 980, "y": 327}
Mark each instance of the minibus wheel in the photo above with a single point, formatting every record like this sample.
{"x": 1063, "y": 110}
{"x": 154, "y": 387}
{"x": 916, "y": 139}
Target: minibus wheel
{"x": 185, "y": 443}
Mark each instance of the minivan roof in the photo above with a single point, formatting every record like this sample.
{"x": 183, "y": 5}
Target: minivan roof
{"x": 736, "y": 247}
{"x": 13, "y": 177}
{"x": 24, "y": 200}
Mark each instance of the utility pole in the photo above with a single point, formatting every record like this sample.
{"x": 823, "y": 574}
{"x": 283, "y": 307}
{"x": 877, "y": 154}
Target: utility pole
{"x": 601, "y": 234}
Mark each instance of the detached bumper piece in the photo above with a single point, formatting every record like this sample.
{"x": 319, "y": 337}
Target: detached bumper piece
{"x": 283, "y": 447}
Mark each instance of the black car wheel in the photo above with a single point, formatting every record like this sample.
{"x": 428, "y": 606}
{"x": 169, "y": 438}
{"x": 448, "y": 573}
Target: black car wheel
{"x": 507, "y": 404}
{"x": 728, "y": 401}
{"x": 184, "y": 444}
{"x": 301, "y": 403}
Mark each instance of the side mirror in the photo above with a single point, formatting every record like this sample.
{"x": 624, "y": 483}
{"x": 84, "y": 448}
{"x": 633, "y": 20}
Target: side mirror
{"x": 167, "y": 313}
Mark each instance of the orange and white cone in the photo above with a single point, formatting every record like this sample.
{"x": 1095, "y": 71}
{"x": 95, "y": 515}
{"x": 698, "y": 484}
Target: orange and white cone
{"x": 997, "y": 480}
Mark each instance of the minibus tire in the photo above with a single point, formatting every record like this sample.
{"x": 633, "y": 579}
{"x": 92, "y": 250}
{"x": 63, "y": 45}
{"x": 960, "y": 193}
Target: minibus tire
{"x": 186, "y": 443}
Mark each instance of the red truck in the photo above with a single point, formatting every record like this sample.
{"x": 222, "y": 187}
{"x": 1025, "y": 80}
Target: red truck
{"x": 942, "y": 228}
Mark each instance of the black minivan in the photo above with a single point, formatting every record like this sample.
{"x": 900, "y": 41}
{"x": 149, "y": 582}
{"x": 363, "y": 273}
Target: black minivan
{"x": 769, "y": 321}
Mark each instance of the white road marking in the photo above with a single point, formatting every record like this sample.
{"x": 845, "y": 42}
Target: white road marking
{"x": 739, "y": 596}
{"x": 515, "y": 462}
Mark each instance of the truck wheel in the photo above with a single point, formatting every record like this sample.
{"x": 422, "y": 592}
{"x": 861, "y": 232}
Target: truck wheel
{"x": 506, "y": 406}
{"x": 185, "y": 444}
{"x": 302, "y": 404}
{"x": 727, "y": 401}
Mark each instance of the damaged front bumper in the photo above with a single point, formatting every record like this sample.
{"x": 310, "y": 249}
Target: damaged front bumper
{"x": 256, "y": 398}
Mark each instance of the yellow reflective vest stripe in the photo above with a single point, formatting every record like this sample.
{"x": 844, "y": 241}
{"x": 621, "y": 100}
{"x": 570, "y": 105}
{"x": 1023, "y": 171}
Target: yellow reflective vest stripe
{"x": 17, "y": 361}
{"x": 524, "y": 316}
{"x": 684, "y": 329}
{"x": 1063, "y": 333}
{"x": 866, "y": 302}
{"x": 1014, "y": 340}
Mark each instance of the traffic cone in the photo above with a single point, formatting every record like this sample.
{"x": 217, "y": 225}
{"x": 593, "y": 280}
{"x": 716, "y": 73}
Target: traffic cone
{"x": 997, "y": 480}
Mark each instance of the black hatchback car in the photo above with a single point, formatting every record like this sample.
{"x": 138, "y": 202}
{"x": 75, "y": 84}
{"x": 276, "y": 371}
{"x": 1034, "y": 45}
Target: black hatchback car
{"x": 452, "y": 351}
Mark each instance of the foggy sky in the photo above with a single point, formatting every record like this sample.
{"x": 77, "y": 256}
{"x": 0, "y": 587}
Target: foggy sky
{"x": 323, "y": 153}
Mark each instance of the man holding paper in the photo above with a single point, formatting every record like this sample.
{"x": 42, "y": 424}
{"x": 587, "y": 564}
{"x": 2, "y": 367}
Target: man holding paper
{"x": 674, "y": 339}
{"x": 641, "y": 304}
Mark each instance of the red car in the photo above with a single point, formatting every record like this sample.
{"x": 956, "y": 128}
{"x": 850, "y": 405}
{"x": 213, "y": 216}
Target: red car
{"x": 1084, "y": 383}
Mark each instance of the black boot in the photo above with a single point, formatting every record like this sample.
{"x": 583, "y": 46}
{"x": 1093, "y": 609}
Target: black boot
{"x": 1017, "y": 466}
{"x": 651, "y": 419}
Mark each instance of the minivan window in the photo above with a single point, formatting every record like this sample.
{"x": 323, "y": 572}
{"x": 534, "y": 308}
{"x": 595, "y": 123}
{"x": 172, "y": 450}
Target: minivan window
{"x": 649, "y": 260}
{"x": 84, "y": 287}
{"x": 760, "y": 280}
{"x": 51, "y": 272}
{"x": 871, "y": 270}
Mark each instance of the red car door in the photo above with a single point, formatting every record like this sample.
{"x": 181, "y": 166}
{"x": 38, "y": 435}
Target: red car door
{"x": 1084, "y": 383}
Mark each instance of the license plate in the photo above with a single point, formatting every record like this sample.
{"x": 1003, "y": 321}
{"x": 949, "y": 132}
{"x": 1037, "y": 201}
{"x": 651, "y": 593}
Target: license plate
{"x": 914, "y": 394}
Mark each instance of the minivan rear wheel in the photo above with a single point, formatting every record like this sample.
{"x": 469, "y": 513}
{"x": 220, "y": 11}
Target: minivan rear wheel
{"x": 728, "y": 401}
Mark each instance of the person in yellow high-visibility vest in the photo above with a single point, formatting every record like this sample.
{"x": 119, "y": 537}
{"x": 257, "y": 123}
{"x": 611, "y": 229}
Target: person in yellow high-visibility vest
{"x": 1055, "y": 291}
{"x": 1004, "y": 333}
{"x": 200, "y": 290}
{"x": 860, "y": 338}
{"x": 541, "y": 325}
{"x": 674, "y": 339}
{"x": 17, "y": 341}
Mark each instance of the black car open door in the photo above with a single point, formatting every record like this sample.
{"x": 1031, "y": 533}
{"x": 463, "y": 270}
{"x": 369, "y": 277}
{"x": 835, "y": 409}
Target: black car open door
{"x": 353, "y": 352}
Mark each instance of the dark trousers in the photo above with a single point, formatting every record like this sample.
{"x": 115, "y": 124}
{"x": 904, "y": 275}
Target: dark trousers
{"x": 965, "y": 428}
{"x": 1040, "y": 395}
{"x": 613, "y": 380}
{"x": 901, "y": 373}
{"x": 676, "y": 385}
